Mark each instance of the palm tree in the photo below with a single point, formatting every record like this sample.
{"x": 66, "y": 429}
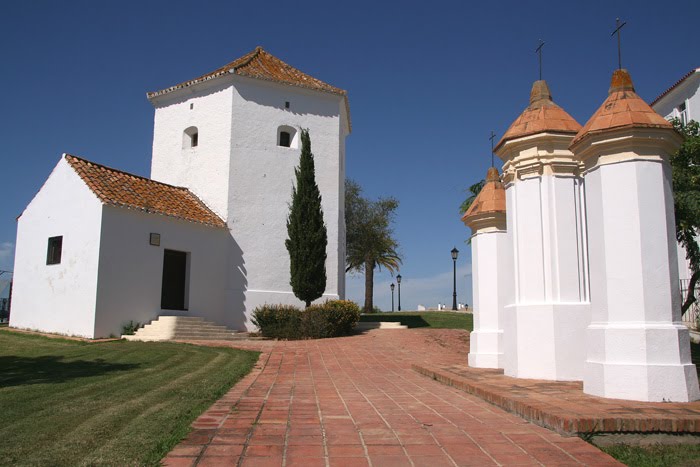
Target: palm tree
{"x": 473, "y": 192}
{"x": 370, "y": 242}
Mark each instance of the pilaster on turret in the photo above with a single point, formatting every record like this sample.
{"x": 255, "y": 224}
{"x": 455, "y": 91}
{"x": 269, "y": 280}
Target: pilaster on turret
{"x": 637, "y": 347}
{"x": 545, "y": 323}
{"x": 492, "y": 272}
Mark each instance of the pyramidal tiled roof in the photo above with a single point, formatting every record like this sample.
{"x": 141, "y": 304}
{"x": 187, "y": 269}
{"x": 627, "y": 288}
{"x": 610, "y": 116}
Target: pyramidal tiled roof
{"x": 622, "y": 109}
{"x": 542, "y": 115}
{"x": 260, "y": 64}
{"x": 123, "y": 189}
{"x": 491, "y": 198}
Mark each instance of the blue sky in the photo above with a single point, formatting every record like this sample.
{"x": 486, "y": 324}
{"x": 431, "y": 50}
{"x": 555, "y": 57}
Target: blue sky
{"x": 427, "y": 82}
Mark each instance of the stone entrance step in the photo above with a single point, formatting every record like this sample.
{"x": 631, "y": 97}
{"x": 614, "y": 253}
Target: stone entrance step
{"x": 367, "y": 325}
{"x": 168, "y": 328}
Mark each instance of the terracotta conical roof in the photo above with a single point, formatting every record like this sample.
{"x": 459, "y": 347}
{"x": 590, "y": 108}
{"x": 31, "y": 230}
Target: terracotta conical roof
{"x": 491, "y": 198}
{"x": 623, "y": 108}
{"x": 542, "y": 115}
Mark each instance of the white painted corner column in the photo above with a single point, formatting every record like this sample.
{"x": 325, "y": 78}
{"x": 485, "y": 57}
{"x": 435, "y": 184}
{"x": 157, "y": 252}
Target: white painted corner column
{"x": 637, "y": 347}
{"x": 491, "y": 282}
{"x": 545, "y": 322}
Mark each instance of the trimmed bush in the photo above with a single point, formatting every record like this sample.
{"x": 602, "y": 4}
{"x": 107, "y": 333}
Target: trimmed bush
{"x": 278, "y": 321}
{"x": 330, "y": 319}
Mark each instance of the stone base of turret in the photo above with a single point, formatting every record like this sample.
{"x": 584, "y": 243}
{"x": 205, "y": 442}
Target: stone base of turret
{"x": 546, "y": 341}
{"x": 640, "y": 361}
{"x": 484, "y": 349}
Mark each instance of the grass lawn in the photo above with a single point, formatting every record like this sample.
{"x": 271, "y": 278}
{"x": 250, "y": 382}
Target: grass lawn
{"x": 655, "y": 456}
{"x": 422, "y": 319}
{"x": 113, "y": 403}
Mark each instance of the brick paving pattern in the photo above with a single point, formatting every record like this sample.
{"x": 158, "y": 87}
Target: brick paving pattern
{"x": 355, "y": 401}
{"x": 563, "y": 407}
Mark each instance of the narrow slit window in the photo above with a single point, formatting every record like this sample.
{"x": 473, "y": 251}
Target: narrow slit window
{"x": 53, "y": 253}
{"x": 285, "y": 139}
{"x": 195, "y": 140}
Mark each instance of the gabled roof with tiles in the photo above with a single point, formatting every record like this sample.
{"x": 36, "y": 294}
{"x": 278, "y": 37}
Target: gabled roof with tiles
{"x": 491, "y": 198}
{"x": 676, "y": 84}
{"x": 260, "y": 64}
{"x": 622, "y": 109}
{"x": 542, "y": 115}
{"x": 123, "y": 189}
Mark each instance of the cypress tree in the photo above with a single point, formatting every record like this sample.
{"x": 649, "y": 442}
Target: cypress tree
{"x": 306, "y": 230}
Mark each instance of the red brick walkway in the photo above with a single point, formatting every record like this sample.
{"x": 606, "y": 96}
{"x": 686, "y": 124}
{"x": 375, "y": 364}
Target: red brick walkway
{"x": 563, "y": 407}
{"x": 355, "y": 401}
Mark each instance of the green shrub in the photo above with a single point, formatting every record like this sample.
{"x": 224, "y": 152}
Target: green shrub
{"x": 278, "y": 321}
{"x": 343, "y": 315}
{"x": 129, "y": 329}
{"x": 330, "y": 319}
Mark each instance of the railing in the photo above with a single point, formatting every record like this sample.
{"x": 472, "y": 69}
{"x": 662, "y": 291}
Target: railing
{"x": 691, "y": 315}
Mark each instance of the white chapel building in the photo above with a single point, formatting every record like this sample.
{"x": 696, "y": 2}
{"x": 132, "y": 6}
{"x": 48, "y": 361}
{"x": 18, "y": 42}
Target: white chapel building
{"x": 204, "y": 236}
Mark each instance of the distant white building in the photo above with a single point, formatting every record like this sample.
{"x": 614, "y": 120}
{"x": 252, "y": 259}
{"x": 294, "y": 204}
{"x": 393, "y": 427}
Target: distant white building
{"x": 98, "y": 247}
{"x": 682, "y": 101}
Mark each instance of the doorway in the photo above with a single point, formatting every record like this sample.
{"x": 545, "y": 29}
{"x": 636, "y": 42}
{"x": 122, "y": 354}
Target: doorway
{"x": 174, "y": 291}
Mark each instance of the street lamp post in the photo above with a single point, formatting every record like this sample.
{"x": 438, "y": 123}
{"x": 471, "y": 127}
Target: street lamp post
{"x": 454, "y": 252}
{"x": 398, "y": 281}
{"x": 392, "y": 296}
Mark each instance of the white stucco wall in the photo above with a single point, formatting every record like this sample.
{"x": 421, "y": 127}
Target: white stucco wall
{"x": 131, "y": 270}
{"x": 203, "y": 169}
{"x": 262, "y": 175}
{"x": 492, "y": 290}
{"x": 636, "y": 346}
{"x": 544, "y": 325}
{"x": 58, "y": 298}
{"x": 240, "y": 172}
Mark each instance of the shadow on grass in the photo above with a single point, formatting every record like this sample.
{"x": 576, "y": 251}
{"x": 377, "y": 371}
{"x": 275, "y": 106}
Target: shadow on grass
{"x": 20, "y": 371}
{"x": 410, "y": 321}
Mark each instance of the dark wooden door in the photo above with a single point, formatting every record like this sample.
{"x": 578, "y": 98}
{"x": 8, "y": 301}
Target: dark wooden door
{"x": 174, "y": 280}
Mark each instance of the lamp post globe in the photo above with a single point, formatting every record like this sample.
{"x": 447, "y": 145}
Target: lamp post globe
{"x": 398, "y": 281}
{"x": 454, "y": 253}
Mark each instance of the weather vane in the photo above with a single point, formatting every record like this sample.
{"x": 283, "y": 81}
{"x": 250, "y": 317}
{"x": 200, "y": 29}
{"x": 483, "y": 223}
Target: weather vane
{"x": 493, "y": 135}
{"x": 538, "y": 51}
{"x": 619, "y": 46}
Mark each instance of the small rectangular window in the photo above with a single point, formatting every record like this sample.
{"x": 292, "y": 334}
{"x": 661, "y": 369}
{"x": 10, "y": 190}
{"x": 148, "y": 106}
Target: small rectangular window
{"x": 195, "y": 140}
{"x": 53, "y": 254}
{"x": 284, "y": 139}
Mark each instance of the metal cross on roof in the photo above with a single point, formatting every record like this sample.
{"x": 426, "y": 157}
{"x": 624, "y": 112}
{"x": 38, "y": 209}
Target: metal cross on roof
{"x": 493, "y": 135}
{"x": 619, "y": 46}
{"x": 538, "y": 51}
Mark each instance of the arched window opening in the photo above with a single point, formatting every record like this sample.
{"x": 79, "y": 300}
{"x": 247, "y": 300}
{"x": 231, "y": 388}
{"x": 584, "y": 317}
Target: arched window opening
{"x": 287, "y": 137}
{"x": 190, "y": 138}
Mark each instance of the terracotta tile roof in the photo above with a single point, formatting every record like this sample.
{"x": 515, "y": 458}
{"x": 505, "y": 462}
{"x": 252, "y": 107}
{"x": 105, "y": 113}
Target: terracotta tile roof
{"x": 675, "y": 85}
{"x": 623, "y": 108}
{"x": 541, "y": 115}
{"x": 123, "y": 189}
{"x": 260, "y": 64}
{"x": 491, "y": 198}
